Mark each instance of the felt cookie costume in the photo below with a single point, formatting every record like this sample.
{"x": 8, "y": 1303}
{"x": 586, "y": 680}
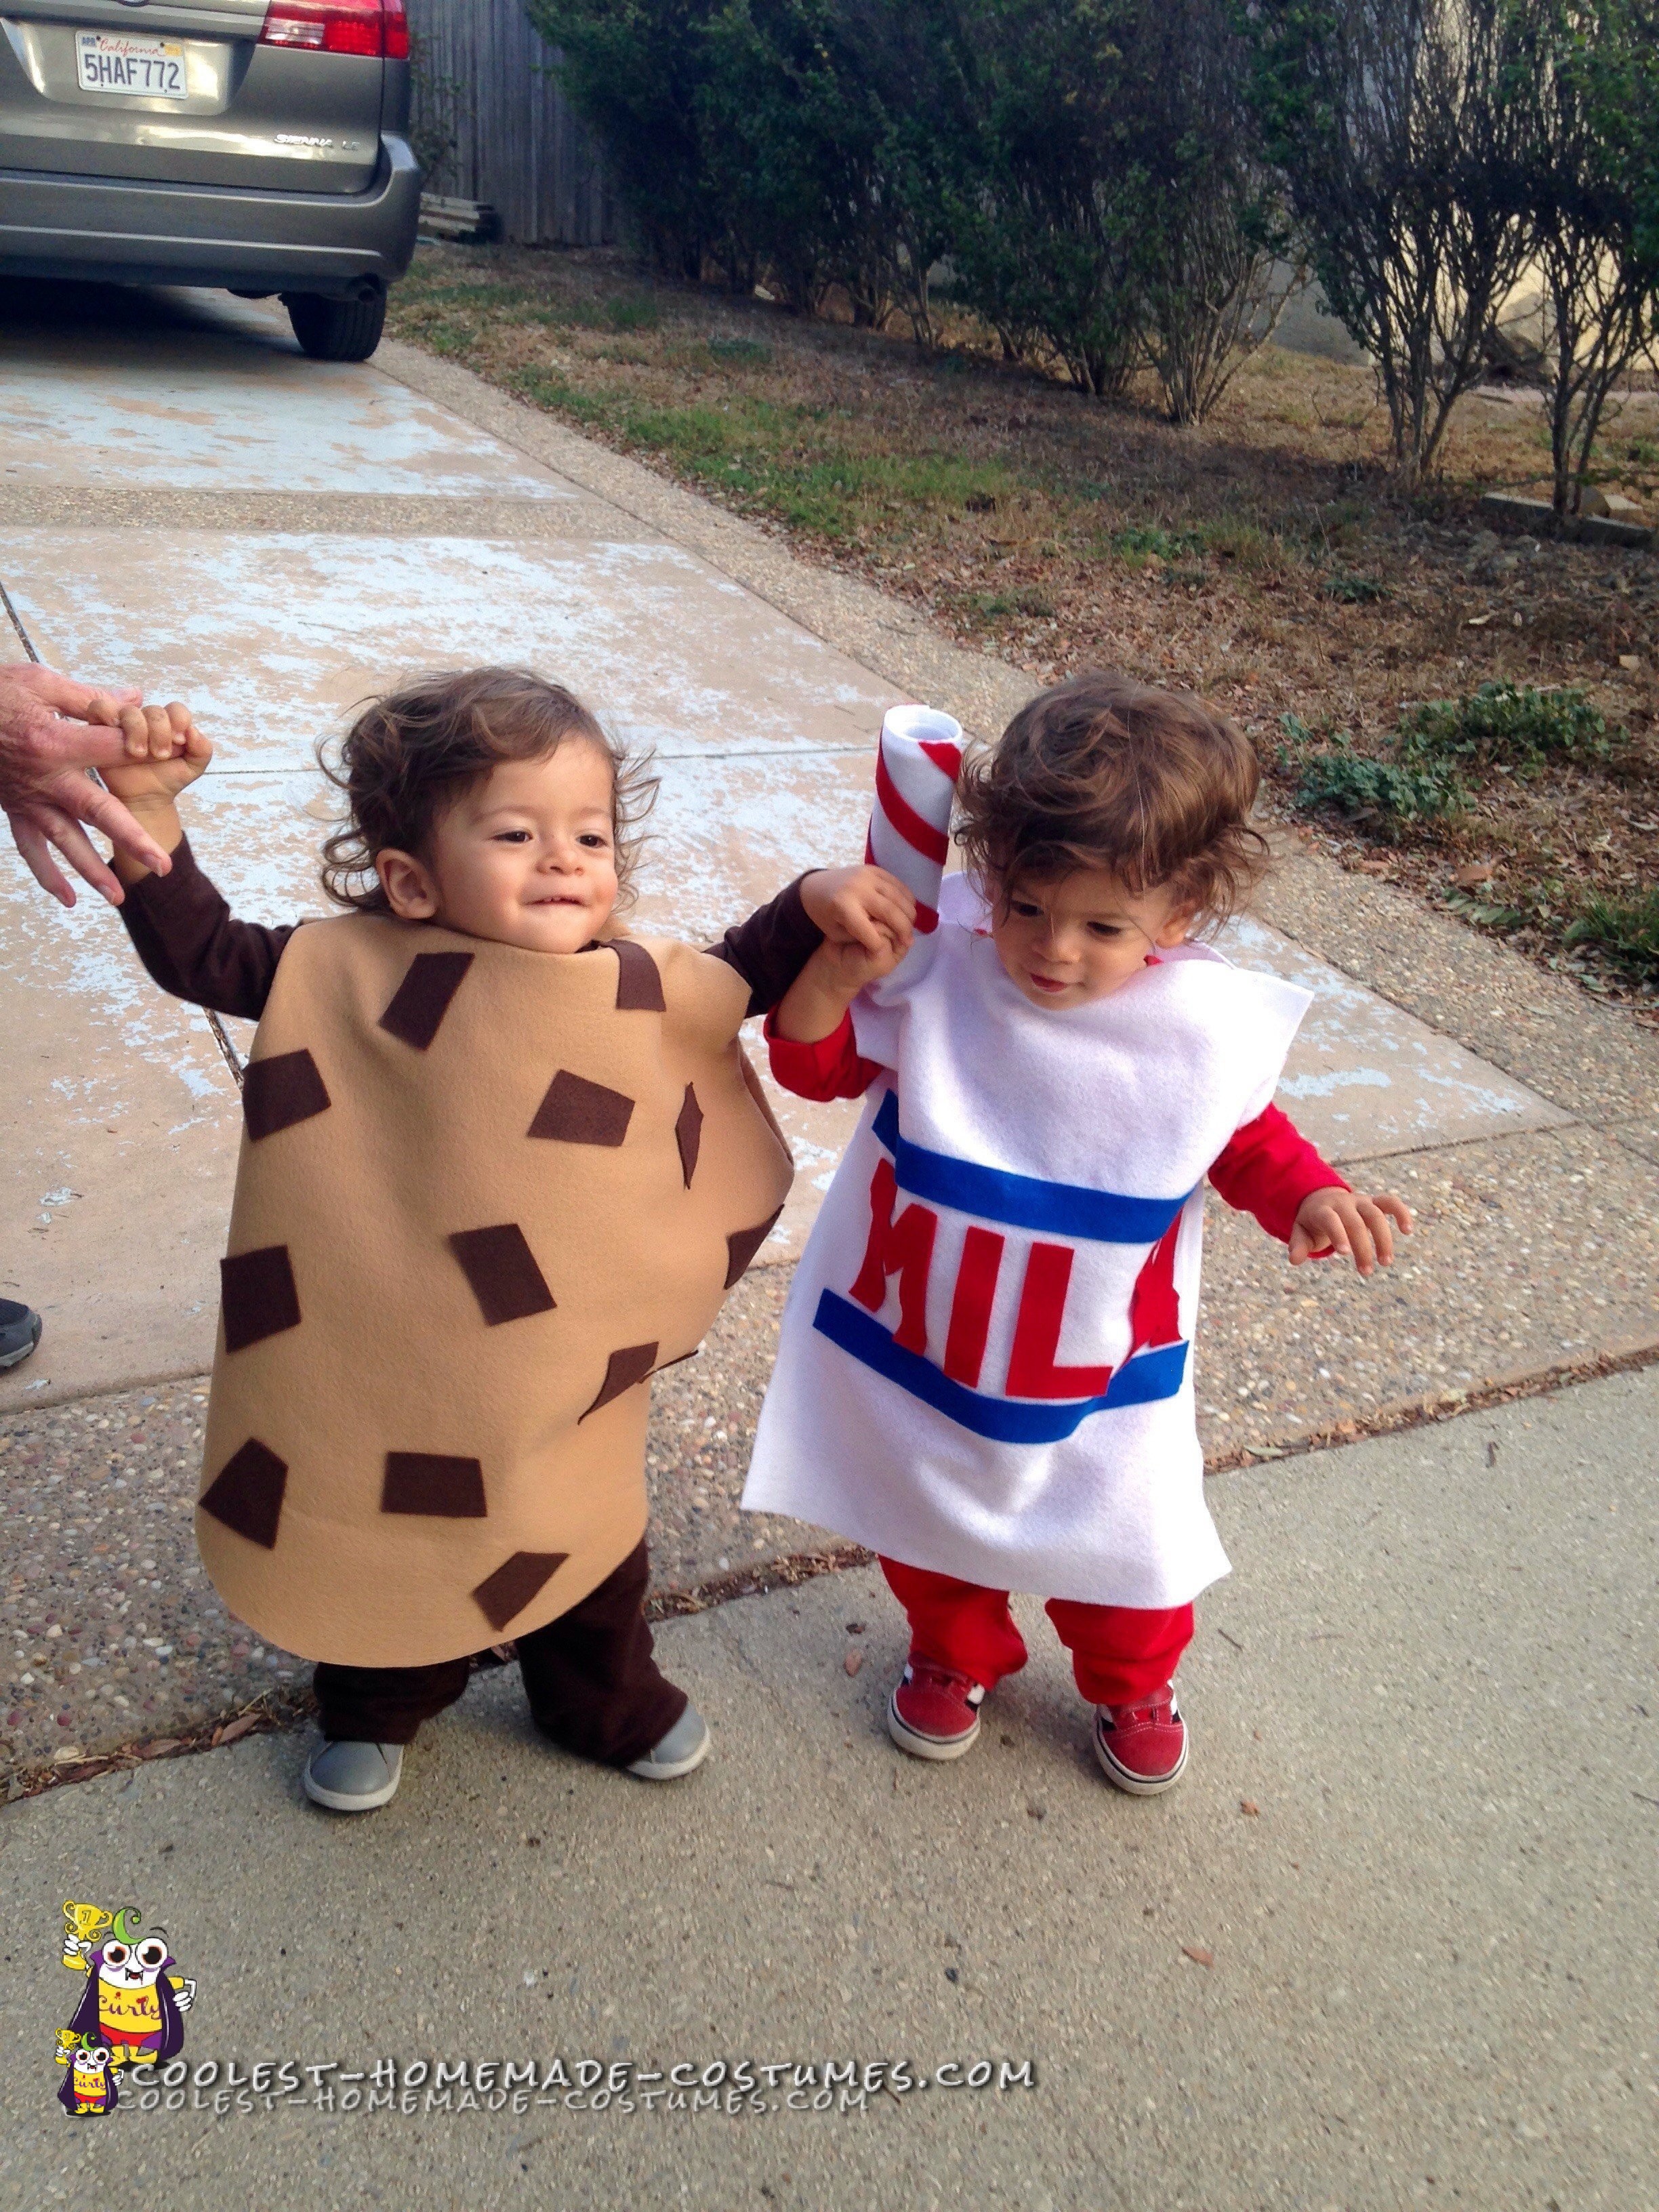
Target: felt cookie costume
{"x": 483, "y": 1194}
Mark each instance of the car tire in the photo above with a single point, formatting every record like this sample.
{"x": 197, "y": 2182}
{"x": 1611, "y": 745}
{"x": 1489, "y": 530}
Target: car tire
{"x": 336, "y": 330}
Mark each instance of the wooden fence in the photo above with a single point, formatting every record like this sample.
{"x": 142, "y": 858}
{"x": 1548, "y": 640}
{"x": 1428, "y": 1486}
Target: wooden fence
{"x": 484, "y": 97}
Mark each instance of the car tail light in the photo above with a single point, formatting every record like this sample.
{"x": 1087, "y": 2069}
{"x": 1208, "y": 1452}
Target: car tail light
{"x": 339, "y": 27}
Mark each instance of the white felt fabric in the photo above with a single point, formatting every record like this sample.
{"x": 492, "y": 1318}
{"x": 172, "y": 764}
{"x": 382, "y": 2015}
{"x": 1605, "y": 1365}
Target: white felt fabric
{"x": 1135, "y": 1095}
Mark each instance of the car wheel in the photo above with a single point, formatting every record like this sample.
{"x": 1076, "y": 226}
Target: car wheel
{"x": 336, "y": 330}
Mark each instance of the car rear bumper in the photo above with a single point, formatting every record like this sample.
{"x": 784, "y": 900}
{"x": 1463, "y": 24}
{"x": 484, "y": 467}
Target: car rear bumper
{"x": 116, "y": 231}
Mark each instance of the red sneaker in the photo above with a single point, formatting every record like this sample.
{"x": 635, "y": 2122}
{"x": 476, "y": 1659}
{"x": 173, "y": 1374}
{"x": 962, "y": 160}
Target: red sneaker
{"x": 1142, "y": 1747}
{"x": 933, "y": 1711}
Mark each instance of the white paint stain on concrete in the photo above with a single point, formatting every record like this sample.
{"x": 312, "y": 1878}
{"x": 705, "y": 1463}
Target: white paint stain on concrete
{"x": 276, "y": 639}
{"x": 214, "y": 413}
{"x": 1365, "y": 1079}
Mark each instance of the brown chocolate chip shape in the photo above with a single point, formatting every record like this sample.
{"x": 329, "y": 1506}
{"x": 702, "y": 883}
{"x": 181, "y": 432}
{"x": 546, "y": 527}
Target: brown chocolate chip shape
{"x": 622, "y": 1371}
{"x": 639, "y": 986}
{"x": 281, "y": 1090}
{"x": 688, "y": 1134}
{"x": 502, "y": 1269}
{"x": 577, "y": 1112}
{"x": 258, "y": 1295}
{"x": 246, "y": 1494}
{"x": 421, "y": 1000}
{"x": 742, "y": 1245}
{"x": 429, "y": 1482}
{"x": 514, "y": 1583}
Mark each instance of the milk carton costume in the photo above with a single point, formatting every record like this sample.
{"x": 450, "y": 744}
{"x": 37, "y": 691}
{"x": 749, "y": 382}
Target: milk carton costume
{"x": 985, "y": 1366}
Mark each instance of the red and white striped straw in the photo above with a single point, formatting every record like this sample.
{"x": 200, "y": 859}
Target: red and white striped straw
{"x": 917, "y": 764}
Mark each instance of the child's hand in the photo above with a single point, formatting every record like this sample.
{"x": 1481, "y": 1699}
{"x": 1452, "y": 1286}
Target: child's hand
{"x": 843, "y": 969}
{"x": 863, "y": 908}
{"x": 1342, "y": 1221}
{"x": 165, "y": 752}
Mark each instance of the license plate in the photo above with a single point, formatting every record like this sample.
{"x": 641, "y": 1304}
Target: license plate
{"x": 120, "y": 61}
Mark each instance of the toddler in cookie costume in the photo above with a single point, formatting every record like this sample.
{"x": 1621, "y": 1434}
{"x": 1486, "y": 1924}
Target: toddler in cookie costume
{"x": 985, "y": 1369}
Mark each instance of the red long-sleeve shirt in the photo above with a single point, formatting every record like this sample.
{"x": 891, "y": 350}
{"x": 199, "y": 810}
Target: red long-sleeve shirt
{"x": 1267, "y": 1169}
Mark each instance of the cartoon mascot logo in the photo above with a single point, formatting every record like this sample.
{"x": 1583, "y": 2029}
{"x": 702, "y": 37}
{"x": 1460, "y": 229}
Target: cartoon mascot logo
{"x": 89, "y": 2085}
{"x": 130, "y": 2013}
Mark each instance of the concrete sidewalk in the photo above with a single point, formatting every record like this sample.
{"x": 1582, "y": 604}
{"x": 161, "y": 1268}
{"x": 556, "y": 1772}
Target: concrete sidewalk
{"x": 1390, "y": 1945}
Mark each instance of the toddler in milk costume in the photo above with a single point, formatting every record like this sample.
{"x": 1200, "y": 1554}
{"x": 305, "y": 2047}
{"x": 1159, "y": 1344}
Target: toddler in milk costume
{"x": 984, "y": 1368}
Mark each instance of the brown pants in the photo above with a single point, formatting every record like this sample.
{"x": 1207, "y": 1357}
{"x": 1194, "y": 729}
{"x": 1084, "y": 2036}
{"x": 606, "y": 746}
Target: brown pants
{"x": 591, "y": 1682}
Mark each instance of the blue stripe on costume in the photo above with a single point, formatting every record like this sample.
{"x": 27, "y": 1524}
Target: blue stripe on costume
{"x": 1063, "y": 1209}
{"x": 1148, "y": 1376}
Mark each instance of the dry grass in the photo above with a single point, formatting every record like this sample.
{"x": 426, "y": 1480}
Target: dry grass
{"x": 1265, "y": 559}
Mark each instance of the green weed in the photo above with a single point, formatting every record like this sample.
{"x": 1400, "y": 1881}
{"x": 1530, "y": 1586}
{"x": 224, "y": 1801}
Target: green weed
{"x": 549, "y": 390}
{"x": 635, "y": 314}
{"x": 1245, "y": 543}
{"x": 1149, "y": 541}
{"x": 450, "y": 339}
{"x": 1513, "y": 726}
{"x": 1027, "y": 602}
{"x": 1487, "y": 913}
{"x": 1627, "y": 929}
{"x": 1354, "y": 591}
{"x": 741, "y": 353}
{"x": 1366, "y": 789}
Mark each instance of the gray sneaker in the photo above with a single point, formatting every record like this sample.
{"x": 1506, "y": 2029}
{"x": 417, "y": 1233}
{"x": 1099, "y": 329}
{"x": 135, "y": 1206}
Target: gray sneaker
{"x": 685, "y": 1746}
{"x": 353, "y": 1777}
{"x": 20, "y": 1332}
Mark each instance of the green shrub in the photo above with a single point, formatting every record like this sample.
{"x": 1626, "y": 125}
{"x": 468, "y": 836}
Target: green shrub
{"x": 1514, "y": 725}
{"x": 1363, "y": 788}
{"x": 1354, "y": 591}
{"x": 1627, "y": 929}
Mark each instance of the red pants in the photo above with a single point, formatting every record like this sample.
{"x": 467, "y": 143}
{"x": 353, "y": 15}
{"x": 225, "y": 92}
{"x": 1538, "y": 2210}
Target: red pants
{"x": 1120, "y": 1653}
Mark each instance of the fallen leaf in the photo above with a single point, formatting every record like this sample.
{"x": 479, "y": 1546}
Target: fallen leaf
{"x": 156, "y": 1750}
{"x": 1632, "y": 660}
{"x": 71, "y": 1755}
{"x": 1250, "y": 1808}
{"x": 853, "y": 1661}
{"x": 1479, "y": 621}
{"x": 1038, "y": 1812}
{"x": 1473, "y": 872}
{"x": 1373, "y": 867}
{"x": 1198, "y": 1954}
{"x": 232, "y": 1730}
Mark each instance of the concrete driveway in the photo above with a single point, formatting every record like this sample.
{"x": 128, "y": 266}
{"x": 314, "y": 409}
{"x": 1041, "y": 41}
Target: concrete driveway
{"x": 194, "y": 506}
{"x": 191, "y": 504}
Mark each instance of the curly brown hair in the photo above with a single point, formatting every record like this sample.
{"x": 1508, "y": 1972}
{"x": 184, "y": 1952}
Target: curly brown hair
{"x": 411, "y": 755}
{"x": 1102, "y": 772}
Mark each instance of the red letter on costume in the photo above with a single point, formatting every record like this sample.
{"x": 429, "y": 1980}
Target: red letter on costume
{"x": 903, "y": 1248}
{"x": 1031, "y": 1370}
{"x": 1154, "y": 1308}
{"x": 971, "y": 1309}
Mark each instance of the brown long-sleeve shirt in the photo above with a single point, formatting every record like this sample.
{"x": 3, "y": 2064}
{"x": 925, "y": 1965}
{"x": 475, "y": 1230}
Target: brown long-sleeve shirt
{"x": 193, "y": 946}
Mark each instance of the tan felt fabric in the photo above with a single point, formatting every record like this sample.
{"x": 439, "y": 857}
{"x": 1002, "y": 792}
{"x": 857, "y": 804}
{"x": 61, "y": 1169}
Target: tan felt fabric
{"x": 471, "y": 1291}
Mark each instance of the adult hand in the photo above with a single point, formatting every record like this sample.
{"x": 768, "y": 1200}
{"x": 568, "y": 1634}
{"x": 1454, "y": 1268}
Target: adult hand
{"x": 53, "y": 730}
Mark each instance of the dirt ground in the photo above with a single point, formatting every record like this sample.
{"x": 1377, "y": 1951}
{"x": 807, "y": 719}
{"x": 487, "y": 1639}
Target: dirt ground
{"x": 1264, "y": 559}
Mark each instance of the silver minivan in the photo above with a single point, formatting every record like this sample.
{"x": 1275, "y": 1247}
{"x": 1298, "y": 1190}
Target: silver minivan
{"x": 255, "y": 144}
